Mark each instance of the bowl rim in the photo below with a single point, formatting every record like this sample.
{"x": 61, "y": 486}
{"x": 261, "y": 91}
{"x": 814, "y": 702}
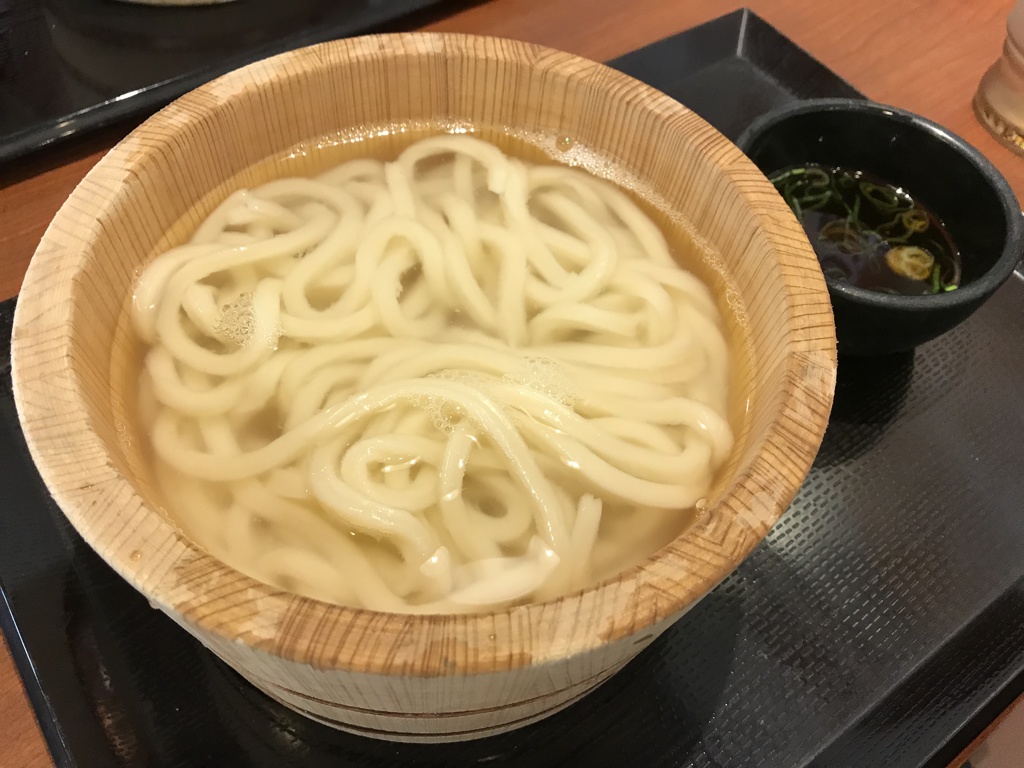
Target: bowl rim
{"x": 964, "y": 296}
{"x": 732, "y": 527}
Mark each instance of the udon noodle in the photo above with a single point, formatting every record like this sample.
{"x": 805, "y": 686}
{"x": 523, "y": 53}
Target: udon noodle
{"x": 450, "y": 382}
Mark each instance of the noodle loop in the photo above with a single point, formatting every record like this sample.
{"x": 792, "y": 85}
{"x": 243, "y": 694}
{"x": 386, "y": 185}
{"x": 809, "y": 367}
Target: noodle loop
{"x": 446, "y": 383}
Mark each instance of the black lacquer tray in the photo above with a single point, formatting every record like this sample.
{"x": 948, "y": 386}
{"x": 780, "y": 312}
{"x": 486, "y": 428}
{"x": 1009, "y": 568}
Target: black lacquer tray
{"x": 70, "y": 66}
{"x": 880, "y": 624}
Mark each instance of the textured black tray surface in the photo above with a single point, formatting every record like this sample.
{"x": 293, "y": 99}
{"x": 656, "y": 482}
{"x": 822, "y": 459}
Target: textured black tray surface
{"x": 69, "y": 66}
{"x": 732, "y": 70}
{"x": 881, "y": 623}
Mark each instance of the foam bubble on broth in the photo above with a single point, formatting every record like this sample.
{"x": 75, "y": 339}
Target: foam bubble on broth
{"x": 540, "y": 374}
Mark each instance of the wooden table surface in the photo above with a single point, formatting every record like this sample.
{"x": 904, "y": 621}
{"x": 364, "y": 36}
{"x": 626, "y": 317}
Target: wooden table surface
{"x": 923, "y": 55}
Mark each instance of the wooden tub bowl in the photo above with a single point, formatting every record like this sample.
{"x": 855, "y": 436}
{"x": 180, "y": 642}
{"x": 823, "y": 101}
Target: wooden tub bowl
{"x": 412, "y": 678}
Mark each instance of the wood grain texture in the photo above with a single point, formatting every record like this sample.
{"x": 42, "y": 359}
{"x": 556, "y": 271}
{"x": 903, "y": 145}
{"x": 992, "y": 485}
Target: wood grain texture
{"x": 430, "y": 678}
{"x": 933, "y": 69}
{"x": 22, "y": 743}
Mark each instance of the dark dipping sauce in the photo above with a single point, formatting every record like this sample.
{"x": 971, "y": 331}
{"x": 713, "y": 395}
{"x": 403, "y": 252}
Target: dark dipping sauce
{"x": 869, "y": 233}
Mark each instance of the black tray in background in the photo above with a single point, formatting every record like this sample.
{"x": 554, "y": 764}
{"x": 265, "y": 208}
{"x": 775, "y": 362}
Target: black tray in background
{"x": 732, "y": 70}
{"x": 70, "y": 66}
{"x": 880, "y": 624}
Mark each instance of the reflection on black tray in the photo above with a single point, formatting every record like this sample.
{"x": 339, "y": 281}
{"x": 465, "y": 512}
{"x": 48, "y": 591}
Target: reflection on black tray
{"x": 69, "y": 66}
{"x": 732, "y": 70}
{"x": 881, "y": 623}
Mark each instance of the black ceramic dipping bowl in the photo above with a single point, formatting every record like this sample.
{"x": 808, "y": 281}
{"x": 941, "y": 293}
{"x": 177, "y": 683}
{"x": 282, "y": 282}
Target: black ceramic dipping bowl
{"x": 947, "y": 175}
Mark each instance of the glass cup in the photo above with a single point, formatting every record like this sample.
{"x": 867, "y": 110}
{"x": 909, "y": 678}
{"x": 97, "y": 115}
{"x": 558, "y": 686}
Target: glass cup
{"x": 999, "y": 101}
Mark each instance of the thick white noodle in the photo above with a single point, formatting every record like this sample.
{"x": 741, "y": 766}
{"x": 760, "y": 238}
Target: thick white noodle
{"x": 445, "y": 383}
